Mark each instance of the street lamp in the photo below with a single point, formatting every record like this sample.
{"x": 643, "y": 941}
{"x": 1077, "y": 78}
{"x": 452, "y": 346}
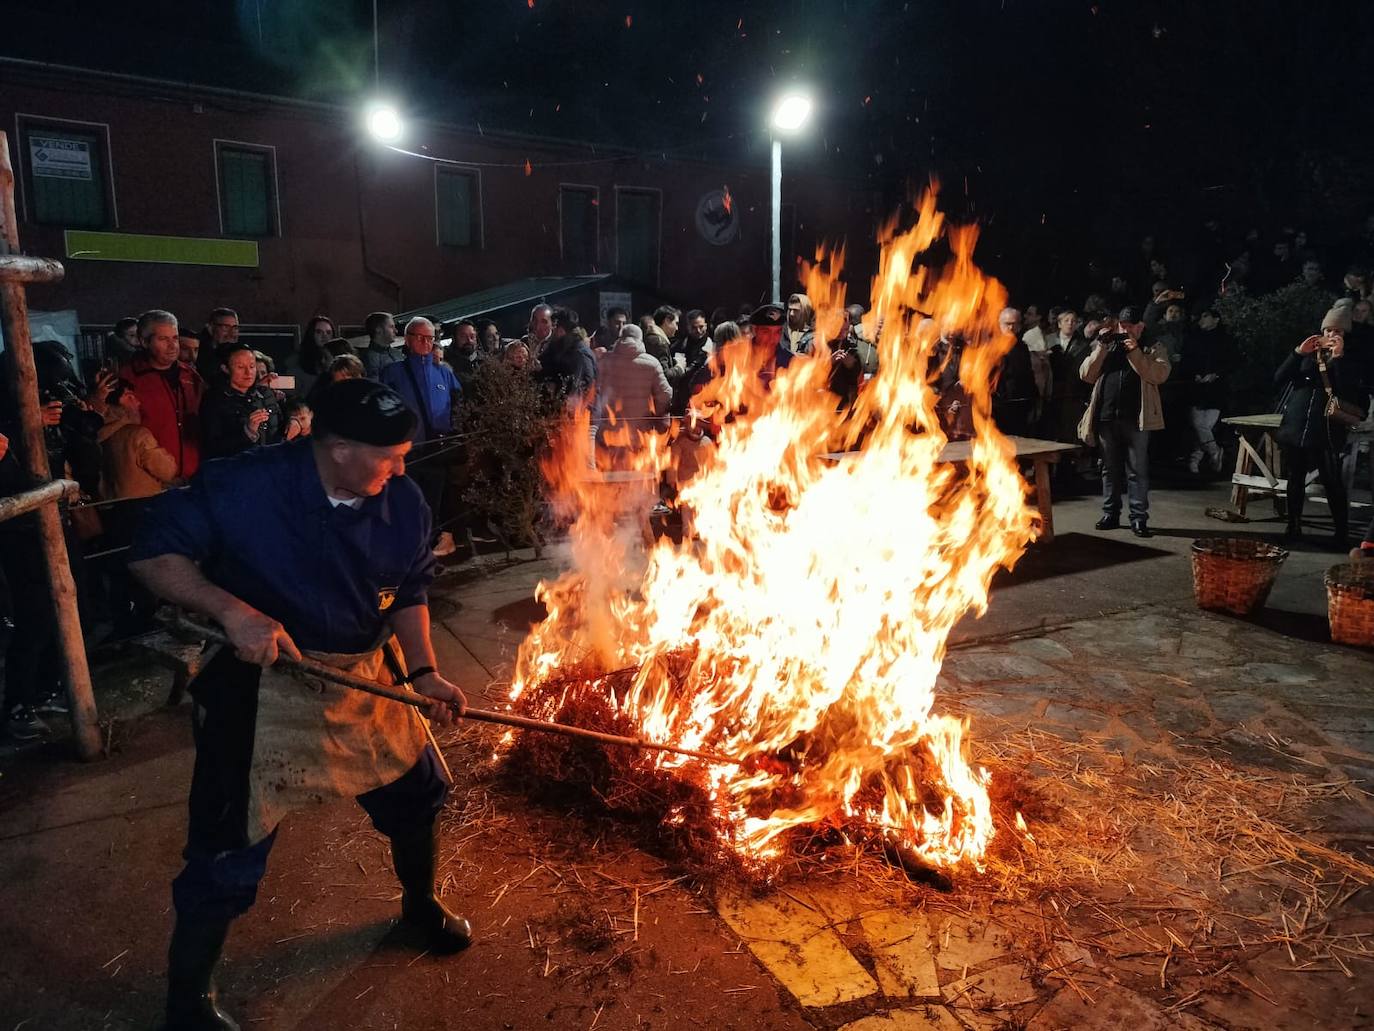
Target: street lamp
{"x": 384, "y": 123}
{"x": 790, "y": 114}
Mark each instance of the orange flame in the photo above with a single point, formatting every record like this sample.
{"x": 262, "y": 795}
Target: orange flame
{"x": 816, "y": 598}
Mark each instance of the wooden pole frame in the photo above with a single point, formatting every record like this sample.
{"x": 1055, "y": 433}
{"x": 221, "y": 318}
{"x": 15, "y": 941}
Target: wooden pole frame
{"x": 14, "y": 312}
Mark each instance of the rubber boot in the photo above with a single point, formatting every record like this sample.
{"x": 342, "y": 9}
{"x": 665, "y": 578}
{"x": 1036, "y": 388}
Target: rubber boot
{"x": 196, "y": 947}
{"x": 416, "y": 858}
{"x": 1341, "y": 538}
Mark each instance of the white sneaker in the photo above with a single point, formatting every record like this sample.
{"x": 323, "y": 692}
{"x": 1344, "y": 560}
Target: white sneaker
{"x": 444, "y": 545}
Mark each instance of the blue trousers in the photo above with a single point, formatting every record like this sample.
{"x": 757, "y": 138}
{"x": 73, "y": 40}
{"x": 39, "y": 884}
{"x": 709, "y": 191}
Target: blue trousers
{"x": 1125, "y": 467}
{"x": 223, "y": 885}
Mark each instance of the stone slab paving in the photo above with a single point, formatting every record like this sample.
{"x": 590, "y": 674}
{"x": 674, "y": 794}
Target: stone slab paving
{"x": 1155, "y": 685}
{"x": 1152, "y": 687}
{"x": 795, "y": 942}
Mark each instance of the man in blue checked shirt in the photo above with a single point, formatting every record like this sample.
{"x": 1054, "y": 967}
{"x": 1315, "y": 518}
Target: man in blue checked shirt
{"x": 432, "y": 391}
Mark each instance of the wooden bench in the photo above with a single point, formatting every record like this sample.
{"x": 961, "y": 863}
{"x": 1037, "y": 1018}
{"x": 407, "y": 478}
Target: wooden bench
{"x": 1040, "y": 453}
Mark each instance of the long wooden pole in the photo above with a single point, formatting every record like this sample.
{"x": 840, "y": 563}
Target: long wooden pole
{"x": 14, "y": 309}
{"x": 506, "y": 719}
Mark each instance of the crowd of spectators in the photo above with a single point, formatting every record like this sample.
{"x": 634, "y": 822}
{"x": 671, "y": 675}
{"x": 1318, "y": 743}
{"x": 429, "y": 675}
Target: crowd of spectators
{"x": 1146, "y": 355}
{"x": 1144, "y": 369}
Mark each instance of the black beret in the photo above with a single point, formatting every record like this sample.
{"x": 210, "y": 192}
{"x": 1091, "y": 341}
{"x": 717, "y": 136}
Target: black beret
{"x": 365, "y": 411}
{"x": 768, "y": 315}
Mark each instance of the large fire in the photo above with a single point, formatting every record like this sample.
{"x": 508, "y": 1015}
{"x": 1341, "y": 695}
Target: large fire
{"x": 803, "y": 626}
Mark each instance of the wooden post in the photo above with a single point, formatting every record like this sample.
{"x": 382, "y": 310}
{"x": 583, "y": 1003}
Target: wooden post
{"x": 14, "y": 309}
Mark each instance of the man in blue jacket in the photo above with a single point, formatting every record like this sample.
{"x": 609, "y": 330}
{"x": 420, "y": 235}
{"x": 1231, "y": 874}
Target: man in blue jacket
{"x": 430, "y": 390}
{"x": 318, "y": 546}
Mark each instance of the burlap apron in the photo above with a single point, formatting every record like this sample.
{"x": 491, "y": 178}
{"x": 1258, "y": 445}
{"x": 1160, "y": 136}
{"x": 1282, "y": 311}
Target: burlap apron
{"x": 315, "y": 741}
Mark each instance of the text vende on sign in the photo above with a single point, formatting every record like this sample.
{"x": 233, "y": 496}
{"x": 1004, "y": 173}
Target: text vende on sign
{"x": 54, "y": 157}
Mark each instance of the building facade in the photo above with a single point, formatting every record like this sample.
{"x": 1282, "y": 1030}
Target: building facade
{"x": 156, "y": 194}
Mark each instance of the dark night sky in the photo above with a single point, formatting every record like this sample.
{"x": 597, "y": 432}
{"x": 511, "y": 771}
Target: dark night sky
{"x": 1036, "y": 113}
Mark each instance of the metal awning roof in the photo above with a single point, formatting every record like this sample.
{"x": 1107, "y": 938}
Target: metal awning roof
{"x": 499, "y": 298}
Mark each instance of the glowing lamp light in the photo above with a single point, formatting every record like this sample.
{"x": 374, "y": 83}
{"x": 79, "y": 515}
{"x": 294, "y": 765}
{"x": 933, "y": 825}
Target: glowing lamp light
{"x": 384, "y": 123}
{"x": 791, "y": 112}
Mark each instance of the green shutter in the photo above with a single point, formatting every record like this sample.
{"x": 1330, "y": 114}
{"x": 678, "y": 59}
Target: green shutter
{"x": 67, "y": 173}
{"x": 637, "y": 236}
{"x": 455, "y": 191}
{"x": 577, "y": 212}
{"x": 245, "y": 189}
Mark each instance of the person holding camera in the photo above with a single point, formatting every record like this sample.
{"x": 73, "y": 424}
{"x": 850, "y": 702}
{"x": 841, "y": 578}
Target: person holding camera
{"x": 242, "y": 413}
{"x": 1123, "y": 410}
{"x": 1319, "y": 406}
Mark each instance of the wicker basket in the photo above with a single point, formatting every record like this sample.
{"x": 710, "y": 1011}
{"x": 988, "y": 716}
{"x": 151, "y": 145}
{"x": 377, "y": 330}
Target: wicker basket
{"x": 1350, "y": 603}
{"x": 1233, "y": 574}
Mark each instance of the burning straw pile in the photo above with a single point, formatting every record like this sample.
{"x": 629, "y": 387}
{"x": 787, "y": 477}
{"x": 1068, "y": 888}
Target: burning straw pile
{"x": 802, "y": 628}
{"x": 677, "y": 801}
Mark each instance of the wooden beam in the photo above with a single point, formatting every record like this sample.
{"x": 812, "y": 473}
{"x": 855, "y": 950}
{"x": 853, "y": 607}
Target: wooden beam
{"x": 14, "y": 312}
{"x": 20, "y": 268}
{"x": 53, "y": 490}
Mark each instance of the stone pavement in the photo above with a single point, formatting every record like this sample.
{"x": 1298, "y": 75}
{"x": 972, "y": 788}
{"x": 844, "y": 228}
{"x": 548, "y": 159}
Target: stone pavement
{"x": 1150, "y": 689}
{"x": 1152, "y": 692}
{"x": 1191, "y": 781}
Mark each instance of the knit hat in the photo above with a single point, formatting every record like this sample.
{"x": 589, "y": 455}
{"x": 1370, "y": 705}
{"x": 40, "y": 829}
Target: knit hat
{"x": 1337, "y": 318}
{"x": 364, "y": 411}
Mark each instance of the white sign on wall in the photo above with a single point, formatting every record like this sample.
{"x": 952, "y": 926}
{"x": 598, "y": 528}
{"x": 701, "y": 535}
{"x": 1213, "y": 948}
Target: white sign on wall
{"x": 54, "y": 157}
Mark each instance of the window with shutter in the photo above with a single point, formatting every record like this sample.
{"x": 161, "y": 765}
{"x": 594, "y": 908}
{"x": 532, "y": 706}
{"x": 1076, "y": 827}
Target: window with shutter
{"x": 637, "y": 235}
{"x": 456, "y": 207}
{"x": 577, "y": 220}
{"x": 67, "y": 176}
{"x": 247, "y": 190}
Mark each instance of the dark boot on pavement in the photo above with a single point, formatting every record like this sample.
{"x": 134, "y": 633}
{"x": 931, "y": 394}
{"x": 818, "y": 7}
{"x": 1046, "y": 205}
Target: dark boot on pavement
{"x": 191, "y": 1003}
{"x": 416, "y": 858}
{"x": 1340, "y": 540}
{"x": 1109, "y": 522}
{"x": 1140, "y": 528}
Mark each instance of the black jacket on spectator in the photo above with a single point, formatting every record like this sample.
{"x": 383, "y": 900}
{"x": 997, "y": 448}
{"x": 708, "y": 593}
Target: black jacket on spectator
{"x": 1359, "y": 360}
{"x": 1015, "y": 394}
{"x": 952, "y": 404}
{"x": 224, "y": 414}
{"x": 1208, "y": 352}
{"x": 695, "y": 376}
{"x": 14, "y": 479}
{"x": 568, "y": 366}
{"x": 71, "y": 443}
{"x": 846, "y": 369}
{"x": 462, "y": 363}
{"x": 1304, "y": 423}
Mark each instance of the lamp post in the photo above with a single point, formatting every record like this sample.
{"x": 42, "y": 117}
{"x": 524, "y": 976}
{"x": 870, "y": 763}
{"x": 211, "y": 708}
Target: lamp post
{"x": 790, "y": 114}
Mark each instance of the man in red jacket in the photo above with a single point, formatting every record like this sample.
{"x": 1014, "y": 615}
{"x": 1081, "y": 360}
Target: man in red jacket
{"x": 169, "y": 390}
